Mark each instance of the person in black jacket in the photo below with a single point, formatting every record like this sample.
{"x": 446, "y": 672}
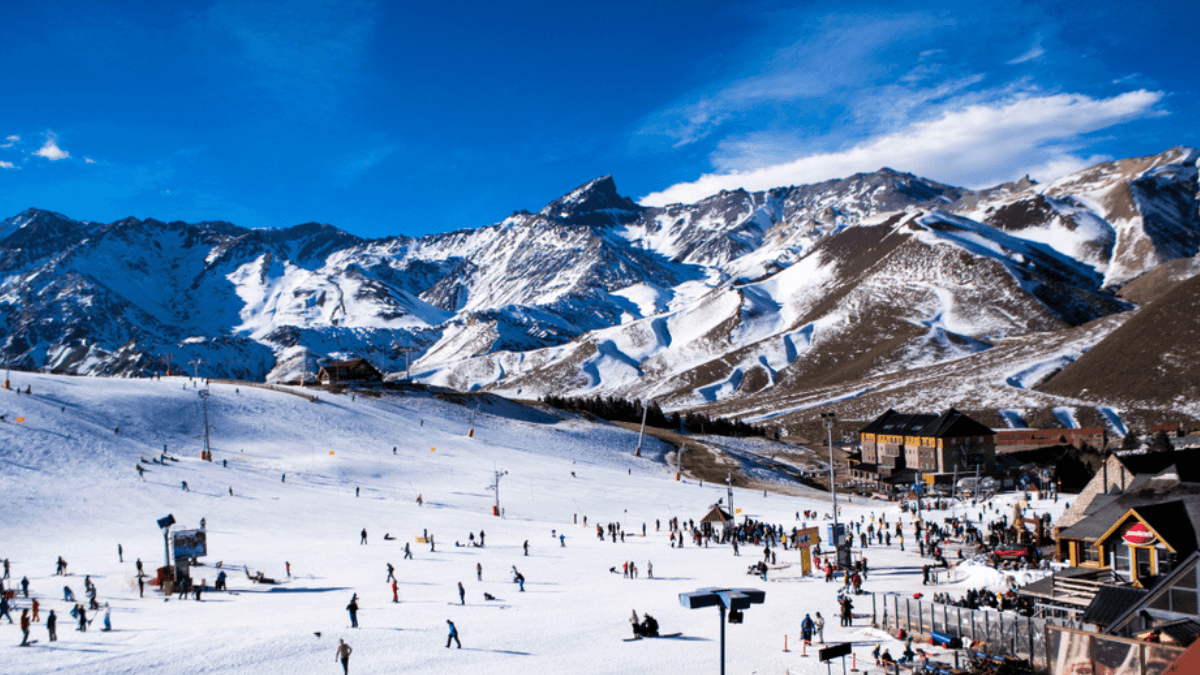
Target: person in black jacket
{"x": 353, "y": 609}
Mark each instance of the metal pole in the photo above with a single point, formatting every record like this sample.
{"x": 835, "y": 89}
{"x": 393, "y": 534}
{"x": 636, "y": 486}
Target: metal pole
{"x": 837, "y": 543}
{"x": 722, "y": 620}
{"x": 167, "y": 545}
{"x": 729, "y": 483}
{"x": 204, "y": 393}
{"x": 641, "y": 434}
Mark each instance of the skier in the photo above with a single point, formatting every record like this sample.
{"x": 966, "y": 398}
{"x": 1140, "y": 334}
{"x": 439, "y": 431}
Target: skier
{"x": 806, "y": 629}
{"x": 462, "y": 594}
{"x": 391, "y": 573}
{"x": 526, "y": 547}
{"x": 68, "y": 594}
{"x": 343, "y": 655}
{"x": 141, "y": 587}
{"x": 141, "y": 471}
{"x": 288, "y": 566}
{"x": 62, "y": 567}
{"x": 395, "y": 592}
{"x": 25, "y": 586}
{"x": 363, "y": 540}
{"x": 83, "y": 622}
{"x": 481, "y": 539}
{"x": 120, "y": 554}
{"x": 353, "y": 609}
{"x": 24, "y": 628}
{"x": 407, "y": 552}
{"x": 479, "y": 571}
{"x": 562, "y": 540}
{"x": 453, "y": 635}
{"x": 52, "y": 626}
{"x": 4, "y": 606}
{"x": 35, "y": 606}
{"x": 108, "y": 617}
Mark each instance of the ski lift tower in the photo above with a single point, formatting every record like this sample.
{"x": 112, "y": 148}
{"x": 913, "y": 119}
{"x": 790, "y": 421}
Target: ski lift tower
{"x": 496, "y": 486}
{"x": 206, "y": 454}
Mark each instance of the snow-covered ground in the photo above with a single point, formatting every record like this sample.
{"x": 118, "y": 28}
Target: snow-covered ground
{"x": 68, "y": 487}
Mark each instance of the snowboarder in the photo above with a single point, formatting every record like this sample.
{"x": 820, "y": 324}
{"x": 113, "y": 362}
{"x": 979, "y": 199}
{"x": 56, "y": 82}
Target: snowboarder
{"x": 353, "y": 609}
{"x": 453, "y": 635}
{"x": 343, "y": 655}
{"x": 68, "y": 594}
{"x": 185, "y": 487}
{"x": 356, "y": 491}
{"x": 52, "y": 626}
{"x": 462, "y": 594}
{"x": 363, "y": 539}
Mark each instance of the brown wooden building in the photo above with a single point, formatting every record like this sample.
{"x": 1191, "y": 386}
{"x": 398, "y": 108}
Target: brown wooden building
{"x": 349, "y": 372}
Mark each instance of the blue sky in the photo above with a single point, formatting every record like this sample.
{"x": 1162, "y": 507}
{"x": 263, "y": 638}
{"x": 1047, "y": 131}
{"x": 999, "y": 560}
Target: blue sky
{"x": 410, "y": 118}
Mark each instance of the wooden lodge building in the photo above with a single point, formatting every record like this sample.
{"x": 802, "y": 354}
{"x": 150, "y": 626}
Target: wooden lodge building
{"x": 354, "y": 371}
{"x": 925, "y": 444}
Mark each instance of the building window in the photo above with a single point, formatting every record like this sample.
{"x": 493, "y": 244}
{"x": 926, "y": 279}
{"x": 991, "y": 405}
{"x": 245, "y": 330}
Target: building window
{"x": 1143, "y": 559}
{"x": 1090, "y": 553}
{"x": 1183, "y": 600}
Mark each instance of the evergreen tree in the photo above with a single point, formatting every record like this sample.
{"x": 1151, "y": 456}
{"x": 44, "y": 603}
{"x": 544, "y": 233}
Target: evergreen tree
{"x": 1132, "y": 441}
{"x": 1161, "y": 442}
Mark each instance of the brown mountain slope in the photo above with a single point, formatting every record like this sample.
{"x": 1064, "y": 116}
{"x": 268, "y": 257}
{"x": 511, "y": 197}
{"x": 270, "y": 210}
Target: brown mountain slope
{"x": 1153, "y": 358}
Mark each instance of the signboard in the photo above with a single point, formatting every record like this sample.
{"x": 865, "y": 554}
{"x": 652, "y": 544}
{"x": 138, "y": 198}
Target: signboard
{"x": 834, "y": 651}
{"x": 808, "y": 537}
{"x": 1139, "y": 535}
{"x": 189, "y": 543}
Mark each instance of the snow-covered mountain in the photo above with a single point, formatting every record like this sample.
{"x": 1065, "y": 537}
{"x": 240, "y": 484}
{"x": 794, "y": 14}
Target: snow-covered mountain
{"x": 736, "y": 300}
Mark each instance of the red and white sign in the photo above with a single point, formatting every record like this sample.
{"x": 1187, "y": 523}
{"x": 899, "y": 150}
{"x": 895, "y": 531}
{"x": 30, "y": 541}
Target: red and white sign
{"x": 1139, "y": 535}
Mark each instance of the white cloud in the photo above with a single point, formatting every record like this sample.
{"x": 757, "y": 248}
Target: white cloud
{"x": 976, "y": 146}
{"x": 50, "y": 149}
{"x": 89, "y": 160}
{"x": 10, "y": 141}
{"x": 1034, "y": 52}
{"x": 7, "y": 165}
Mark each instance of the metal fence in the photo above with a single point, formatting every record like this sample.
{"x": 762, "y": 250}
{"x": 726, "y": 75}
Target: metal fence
{"x": 1074, "y": 652}
{"x": 1006, "y": 633}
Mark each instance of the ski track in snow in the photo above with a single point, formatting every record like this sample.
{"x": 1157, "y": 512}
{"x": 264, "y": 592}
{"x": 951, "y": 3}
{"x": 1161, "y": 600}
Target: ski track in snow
{"x": 1066, "y": 416}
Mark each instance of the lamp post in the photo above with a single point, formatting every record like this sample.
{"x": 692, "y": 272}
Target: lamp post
{"x": 733, "y": 600}
{"x": 843, "y": 554}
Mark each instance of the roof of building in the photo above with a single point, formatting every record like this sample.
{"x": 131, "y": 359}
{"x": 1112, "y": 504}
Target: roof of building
{"x": 898, "y": 424}
{"x": 716, "y": 515}
{"x": 1163, "y": 584}
{"x": 1182, "y": 631}
{"x": 1186, "y": 463}
{"x": 953, "y": 424}
{"x": 1173, "y": 520}
{"x": 1111, "y": 602}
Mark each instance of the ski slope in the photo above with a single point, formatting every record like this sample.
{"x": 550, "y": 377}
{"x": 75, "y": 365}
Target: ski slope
{"x": 68, "y": 487}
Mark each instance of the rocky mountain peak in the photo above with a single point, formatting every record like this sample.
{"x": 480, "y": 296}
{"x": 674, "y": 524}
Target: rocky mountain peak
{"x": 593, "y": 203}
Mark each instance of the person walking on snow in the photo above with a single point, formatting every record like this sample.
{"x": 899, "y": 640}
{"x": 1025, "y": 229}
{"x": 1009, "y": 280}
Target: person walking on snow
{"x": 806, "y": 629}
{"x": 453, "y": 635}
{"x": 343, "y": 655}
{"x": 407, "y": 552}
{"x": 353, "y": 609}
{"x": 391, "y": 572}
{"x": 462, "y": 594}
{"x": 395, "y": 592}
{"x": 24, "y": 628}
{"x": 4, "y": 606}
{"x": 363, "y": 540}
{"x": 479, "y": 571}
{"x": 819, "y": 623}
{"x": 107, "y": 618}
{"x": 52, "y": 626}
